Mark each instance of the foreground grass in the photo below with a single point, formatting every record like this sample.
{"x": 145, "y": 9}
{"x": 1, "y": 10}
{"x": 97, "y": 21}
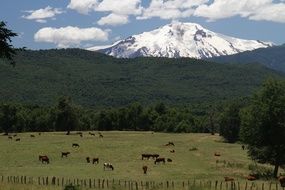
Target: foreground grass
{"x": 123, "y": 150}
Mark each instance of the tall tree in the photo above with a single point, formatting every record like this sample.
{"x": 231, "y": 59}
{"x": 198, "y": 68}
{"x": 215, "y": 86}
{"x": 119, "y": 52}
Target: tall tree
{"x": 8, "y": 117}
{"x": 66, "y": 117}
{"x": 7, "y": 51}
{"x": 230, "y": 122}
{"x": 263, "y": 125}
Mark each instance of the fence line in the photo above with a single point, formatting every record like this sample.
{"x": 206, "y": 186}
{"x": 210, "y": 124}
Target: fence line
{"x": 141, "y": 185}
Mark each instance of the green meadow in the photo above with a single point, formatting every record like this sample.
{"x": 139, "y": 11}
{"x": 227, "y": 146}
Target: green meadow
{"x": 123, "y": 150}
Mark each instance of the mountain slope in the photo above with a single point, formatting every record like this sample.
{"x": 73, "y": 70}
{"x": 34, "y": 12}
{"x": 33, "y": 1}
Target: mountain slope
{"x": 273, "y": 57}
{"x": 181, "y": 40}
{"x": 96, "y": 80}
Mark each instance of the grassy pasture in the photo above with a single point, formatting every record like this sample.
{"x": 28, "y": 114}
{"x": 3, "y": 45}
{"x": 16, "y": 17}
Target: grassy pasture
{"x": 123, "y": 150}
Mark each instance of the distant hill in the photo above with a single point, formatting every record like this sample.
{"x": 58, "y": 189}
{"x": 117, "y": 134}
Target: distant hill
{"x": 272, "y": 57}
{"x": 96, "y": 80}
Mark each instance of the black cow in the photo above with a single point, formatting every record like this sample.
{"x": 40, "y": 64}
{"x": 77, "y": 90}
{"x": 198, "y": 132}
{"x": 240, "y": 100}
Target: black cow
{"x": 64, "y": 154}
{"x": 95, "y": 160}
{"x": 75, "y": 145}
{"x": 158, "y": 160}
{"x": 108, "y": 166}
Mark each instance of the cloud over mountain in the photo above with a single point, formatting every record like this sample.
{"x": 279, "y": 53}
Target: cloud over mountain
{"x": 70, "y": 36}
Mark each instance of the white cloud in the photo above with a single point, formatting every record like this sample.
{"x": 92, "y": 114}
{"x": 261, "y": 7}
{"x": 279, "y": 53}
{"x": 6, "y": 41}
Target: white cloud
{"x": 275, "y": 13}
{"x": 118, "y": 10}
{"x": 170, "y": 9}
{"x": 41, "y": 15}
{"x": 252, "y": 9}
{"x": 70, "y": 36}
{"x": 83, "y": 6}
{"x": 114, "y": 20}
{"x": 122, "y": 7}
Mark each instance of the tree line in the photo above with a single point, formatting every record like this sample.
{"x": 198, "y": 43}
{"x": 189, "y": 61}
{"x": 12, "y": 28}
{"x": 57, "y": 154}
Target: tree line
{"x": 66, "y": 116}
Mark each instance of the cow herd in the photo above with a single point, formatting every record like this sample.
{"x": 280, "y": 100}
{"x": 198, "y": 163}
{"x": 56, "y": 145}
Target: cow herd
{"x": 44, "y": 159}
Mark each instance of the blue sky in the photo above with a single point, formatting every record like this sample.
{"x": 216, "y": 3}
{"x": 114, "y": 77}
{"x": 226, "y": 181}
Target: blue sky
{"x": 44, "y": 24}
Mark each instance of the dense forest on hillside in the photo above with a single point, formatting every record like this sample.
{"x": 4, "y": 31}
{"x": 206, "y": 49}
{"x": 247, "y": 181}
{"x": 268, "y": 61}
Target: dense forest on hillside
{"x": 273, "y": 57}
{"x": 95, "y": 80}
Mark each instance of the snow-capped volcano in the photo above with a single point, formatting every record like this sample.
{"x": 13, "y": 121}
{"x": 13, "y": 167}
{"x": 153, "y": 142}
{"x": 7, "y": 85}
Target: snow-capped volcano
{"x": 181, "y": 40}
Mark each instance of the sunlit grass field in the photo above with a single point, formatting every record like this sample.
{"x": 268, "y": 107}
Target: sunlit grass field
{"x": 123, "y": 150}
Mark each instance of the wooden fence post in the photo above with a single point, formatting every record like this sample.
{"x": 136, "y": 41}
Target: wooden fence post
{"x": 53, "y": 180}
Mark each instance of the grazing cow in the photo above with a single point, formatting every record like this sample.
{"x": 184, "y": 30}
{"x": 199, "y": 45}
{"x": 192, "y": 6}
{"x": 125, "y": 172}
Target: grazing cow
{"x": 281, "y": 179}
{"x": 158, "y": 160}
{"x": 101, "y": 136}
{"x": 44, "y": 158}
{"x": 147, "y": 156}
{"x": 64, "y": 154}
{"x": 217, "y": 154}
{"x": 15, "y": 135}
{"x": 95, "y": 160}
{"x": 81, "y": 135}
{"x": 229, "y": 179}
{"x": 92, "y": 134}
{"x": 40, "y": 157}
{"x": 169, "y": 160}
{"x": 251, "y": 178}
{"x": 10, "y": 137}
{"x": 243, "y": 147}
{"x": 144, "y": 169}
{"x": 172, "y": 151}
{"x": 88, "y": 159}
{"x": 75, "y": 145}
{"x": 18, "y": 139}
{"x": 108, "y": 166}
{"x": 155, "y": 156}
{"x": 32, "y": 135}
{"x": 170, "y": 144}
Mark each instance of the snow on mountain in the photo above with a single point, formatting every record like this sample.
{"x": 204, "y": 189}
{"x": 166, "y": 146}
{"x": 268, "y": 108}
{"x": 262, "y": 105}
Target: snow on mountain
{"x": 181, "y": 40}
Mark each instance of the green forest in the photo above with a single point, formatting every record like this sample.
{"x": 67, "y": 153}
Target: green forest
{"x": 98, "y": 81}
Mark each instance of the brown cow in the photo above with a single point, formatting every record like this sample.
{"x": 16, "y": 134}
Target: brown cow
{"x": 144, "y": 169}
{"x": 95, "y": 160}
{"x": 32, "y": 136}
{"x": 45, "y": 159}
{"x": 229, "y": 179}
{"x": 251, "y": 178}
{"x": 172, "y": 151}
{"x": 169, "y": 160}
{"x": 170, "y": 144}
{"x": 217, "y": 154}
{"x": 158, "y": 160}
